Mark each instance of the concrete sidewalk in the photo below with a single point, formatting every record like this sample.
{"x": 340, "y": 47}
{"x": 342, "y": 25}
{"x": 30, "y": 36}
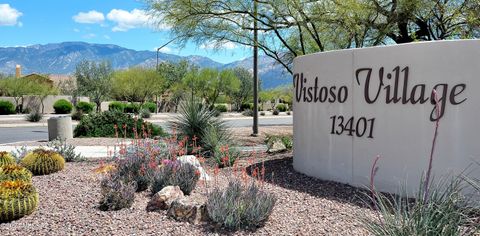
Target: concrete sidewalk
{"x": 106, "y": 151}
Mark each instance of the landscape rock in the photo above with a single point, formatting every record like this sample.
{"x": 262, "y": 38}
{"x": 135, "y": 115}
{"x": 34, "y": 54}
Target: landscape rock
{"x": 163, "y": 199}
{"x": 276, "y": 146}
{"x": 191, "y": 159}
{"x": 189, "y": 209}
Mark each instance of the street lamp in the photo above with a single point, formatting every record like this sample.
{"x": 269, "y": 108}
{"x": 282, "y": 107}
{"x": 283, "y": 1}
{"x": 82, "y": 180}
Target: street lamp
{"x": 159, "y": 48}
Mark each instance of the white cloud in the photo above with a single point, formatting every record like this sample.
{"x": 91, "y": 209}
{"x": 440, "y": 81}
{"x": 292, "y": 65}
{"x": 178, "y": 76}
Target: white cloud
{"x": 218, "y": 45}
{"x": 164, "y": 50}
{"x": 9, "y": 16}
{"x": 126, "y": 20}
{"x": 106, "y": 36}
{"x": 76, "y": 30}
{"x": 91, "y": 17}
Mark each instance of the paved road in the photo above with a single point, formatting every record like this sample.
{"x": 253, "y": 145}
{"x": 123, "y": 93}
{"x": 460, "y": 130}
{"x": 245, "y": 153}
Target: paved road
{"x": 10, "y": 135}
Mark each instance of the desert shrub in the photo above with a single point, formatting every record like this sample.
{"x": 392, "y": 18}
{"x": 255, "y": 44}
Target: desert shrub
{"x": 14, "y": 172}
{"x": 132, "y": 108}
{"x": 6, "y": 159}
{"x": 77, "y": 115}
{"x": 19, "y": 153}
{"x": 151, "y": 106}
{"x": 247, "y": 112}
{"x": 135, "y": 166}
{"x": 116, "y": 106}
{"x": 195, "y": 120}
{"x": 238, "y": 206}
{"x": 43, "y": 162}
{"x": 17, "y": 199}
{"x": 34, "y": 116}
{"x": 213, "y": 138}
{"x": 145, "y": 113}
{"x": 67, "y": 151}
{"x": 262, "y": 113}
{"x": 275, "y": 112}
{"x": 116, "y": 194}
{"x": 62, "y": 106}
{"x": 445, "y": 212}
{"x": 103, "y": 125}
{"x": 6, "y": 108}
{"x": 176, "y": 173}
{"x": 287, "y": 140}
{"x": 281, "y": 107}
{"x": 289, "y": 113}
{"x": 85, "y": 107}
{"x": 221, "y": 108}
{"x": 246, "y": 106}
{"x": 225, "y": 156}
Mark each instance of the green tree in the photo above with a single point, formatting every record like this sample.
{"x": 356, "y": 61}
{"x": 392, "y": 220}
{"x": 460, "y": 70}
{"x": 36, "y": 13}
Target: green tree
{"x": 245, "y": 92}
{"x": 136, "y": 84}
{"x": 173, "y": 89}
{"x": 209, "y": 84}
{"x": 93, "y": 80}
{"x": 290, "y": 28}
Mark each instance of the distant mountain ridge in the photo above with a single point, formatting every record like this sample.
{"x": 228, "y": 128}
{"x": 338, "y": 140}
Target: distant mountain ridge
{"x": 62, "y": 58}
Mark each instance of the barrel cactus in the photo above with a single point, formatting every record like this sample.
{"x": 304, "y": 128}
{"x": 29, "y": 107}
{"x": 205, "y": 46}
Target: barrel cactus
{"x": 43, "y": 162}
{"x": 17, "y": 199}
{"x": 14, "y": 172}
{"x": 6, "y": 158}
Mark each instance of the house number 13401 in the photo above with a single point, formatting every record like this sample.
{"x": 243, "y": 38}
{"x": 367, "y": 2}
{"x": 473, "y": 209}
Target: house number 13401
{"x": 352, "y": 127}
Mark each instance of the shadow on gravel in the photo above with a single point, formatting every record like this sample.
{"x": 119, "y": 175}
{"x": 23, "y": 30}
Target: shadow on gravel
{"x": 280, "y": 172}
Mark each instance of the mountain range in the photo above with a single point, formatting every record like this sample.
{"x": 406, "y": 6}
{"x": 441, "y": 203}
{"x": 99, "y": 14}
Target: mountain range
{"x": 62, "y": 58}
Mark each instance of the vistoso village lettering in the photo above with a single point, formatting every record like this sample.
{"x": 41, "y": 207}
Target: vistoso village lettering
{"x": 392, "y": 88}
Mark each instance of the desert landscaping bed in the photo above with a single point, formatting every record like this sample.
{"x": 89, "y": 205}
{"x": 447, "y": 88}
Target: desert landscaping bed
{"x": 305, "y": 206}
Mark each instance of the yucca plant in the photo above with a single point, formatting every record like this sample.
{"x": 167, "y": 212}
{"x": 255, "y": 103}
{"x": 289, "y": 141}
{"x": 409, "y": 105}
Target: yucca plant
{"x": 196, "y": 120}
{"x": 14, "y": 172}
{"x": 43, "y": 162}
{"x": 6, "y": 159}
{"x": 17, "y": 199}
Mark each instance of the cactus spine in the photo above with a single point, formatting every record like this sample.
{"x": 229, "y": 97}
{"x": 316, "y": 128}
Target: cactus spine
{"x": 43, "y": 162}
{"x": 6, "y": 159}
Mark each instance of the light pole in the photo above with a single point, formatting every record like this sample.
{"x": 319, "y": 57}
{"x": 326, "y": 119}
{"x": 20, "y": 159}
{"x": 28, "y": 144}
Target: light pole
{"x": 159, "y": 48}
{"x": 255, "y": 71}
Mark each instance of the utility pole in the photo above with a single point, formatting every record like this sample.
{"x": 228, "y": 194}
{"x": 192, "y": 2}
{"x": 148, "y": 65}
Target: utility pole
{"x": 255, "y": 71}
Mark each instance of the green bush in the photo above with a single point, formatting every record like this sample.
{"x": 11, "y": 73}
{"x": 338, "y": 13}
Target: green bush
{"x": 213, "y": 138}
{"x": 67, "y": 151}
{"x": 221, "y": 108}
{"x": 151, "y": 106}
{"x": 17, "y": 199}
{"x": 85, "y": 107}
{"x": 116, "y": 194}
{"x": 43, "y": 162}
{"x": 145, "y": 113}
{"x": 225, "y": 156}
{"x": 287, "y": 140}
{"x": 239, "y": 206}
{"x": 247, "y": 112}
{"x": 116, "y": 106}
{"x": 275, "y": 112}
{"x": 77, "y": 115}
{"x": 103, "y": 125}
{"x": 133, "y": 166}
{"x": 132, "y": 108}
{"x": 281, "y": 107}
{"x": 62, "y": 106}
{"x": 176, "y": 173}
{"x": 246, "y": 106}
{"x": 6, "y": 108}
{"x": 262, "y": 113}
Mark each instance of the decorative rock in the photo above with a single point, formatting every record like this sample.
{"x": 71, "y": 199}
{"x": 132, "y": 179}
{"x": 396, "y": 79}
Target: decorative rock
{"x": 163, "y": 199}
{"x": 191, "y": 159}
{"x": 189, "y": 209}
{"x": 276, "y": 146}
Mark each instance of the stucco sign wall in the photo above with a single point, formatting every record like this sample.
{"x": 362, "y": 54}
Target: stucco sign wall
{"x": 352, "y": 105}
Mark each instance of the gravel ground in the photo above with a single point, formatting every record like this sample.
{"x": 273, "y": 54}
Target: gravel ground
{"x": 305, "y": 206}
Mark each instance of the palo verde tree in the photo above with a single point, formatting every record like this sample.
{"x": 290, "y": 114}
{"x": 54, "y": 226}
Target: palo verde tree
{"x": 93, "y": 80}
{"x": 136, "y": 84}
{"x": 245, "y": 91}
{"x": 290, "y": 28}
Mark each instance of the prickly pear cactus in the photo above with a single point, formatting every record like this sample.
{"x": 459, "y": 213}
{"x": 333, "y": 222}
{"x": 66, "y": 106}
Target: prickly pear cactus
{"x": 14, "y": 172}
{"x": 6, "y": 158}
{"x": 17, "y": 199}
{"x": 43, "y": 162}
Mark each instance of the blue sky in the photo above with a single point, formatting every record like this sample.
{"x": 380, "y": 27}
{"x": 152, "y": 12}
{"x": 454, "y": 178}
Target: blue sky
{"x": 120, "y": 22}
